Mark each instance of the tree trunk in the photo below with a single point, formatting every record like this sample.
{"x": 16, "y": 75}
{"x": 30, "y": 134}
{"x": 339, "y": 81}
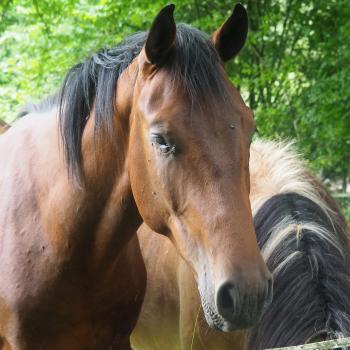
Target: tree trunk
{"x": 345, "y": 180}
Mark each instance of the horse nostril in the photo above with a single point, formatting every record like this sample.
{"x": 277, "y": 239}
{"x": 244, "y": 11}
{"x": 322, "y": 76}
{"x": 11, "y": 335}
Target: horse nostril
{"x": 225, "y": 300}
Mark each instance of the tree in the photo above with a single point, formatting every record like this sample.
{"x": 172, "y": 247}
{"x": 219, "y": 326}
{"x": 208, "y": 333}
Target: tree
{"x": 294, "y": 71}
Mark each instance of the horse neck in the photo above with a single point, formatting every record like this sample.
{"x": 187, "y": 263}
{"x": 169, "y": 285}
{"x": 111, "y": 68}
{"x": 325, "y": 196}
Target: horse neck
{"x": 108, "y": 187}
{"x": 100, "y": 215}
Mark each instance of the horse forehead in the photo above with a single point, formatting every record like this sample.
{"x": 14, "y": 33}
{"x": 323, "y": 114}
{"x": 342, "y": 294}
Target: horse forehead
{"x": 164, "y": 99}
{"x": 161, "y": 92}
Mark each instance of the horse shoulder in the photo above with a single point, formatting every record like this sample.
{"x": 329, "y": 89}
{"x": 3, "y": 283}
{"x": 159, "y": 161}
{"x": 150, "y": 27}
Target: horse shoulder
{"x": 27, "y": 163}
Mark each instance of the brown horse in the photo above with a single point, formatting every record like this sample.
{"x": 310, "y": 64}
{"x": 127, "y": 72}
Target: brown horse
{"x": 302, "y": 234}
{"x": 152, "y": 131}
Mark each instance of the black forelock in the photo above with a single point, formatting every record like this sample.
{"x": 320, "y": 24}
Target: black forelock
{"x": 92, "y": 84}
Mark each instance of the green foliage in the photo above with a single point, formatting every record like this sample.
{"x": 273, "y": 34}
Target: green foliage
{"x": 294, "y": 71}
{"x": 344, "y": 202}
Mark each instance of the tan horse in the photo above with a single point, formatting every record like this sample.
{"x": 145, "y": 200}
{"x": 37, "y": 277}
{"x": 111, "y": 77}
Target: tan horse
{"x": 303, "y": 239}
{"x": 147, "y": 133}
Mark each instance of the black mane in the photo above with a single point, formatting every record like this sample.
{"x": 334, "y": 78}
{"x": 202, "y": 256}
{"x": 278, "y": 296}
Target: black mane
{"x": 311, "y": 264}
{"x": 92, "y": 84}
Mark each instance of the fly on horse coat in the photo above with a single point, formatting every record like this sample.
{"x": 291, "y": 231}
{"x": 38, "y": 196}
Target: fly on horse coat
{"x": 304, "y": 241}
{"x": 151, "y": 130}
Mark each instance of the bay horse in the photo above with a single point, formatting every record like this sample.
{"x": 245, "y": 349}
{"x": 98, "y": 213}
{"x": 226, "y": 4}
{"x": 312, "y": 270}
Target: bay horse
{"x": 304, "y": 241}
{"x": 152, "y": 131}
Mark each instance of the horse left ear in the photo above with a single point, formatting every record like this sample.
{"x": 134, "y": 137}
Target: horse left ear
{"x": 161, "y": 36}
{"x": 231, "y": 36}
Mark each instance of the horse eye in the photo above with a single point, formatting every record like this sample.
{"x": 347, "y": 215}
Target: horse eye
{"x": 162, "y": 143}
{"x": 164, "y": 148}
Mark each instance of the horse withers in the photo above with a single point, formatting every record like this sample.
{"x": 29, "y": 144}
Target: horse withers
{"x": 152, "y": 131}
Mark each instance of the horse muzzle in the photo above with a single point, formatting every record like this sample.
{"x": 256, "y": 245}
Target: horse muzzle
{"x": 238, "y": 308}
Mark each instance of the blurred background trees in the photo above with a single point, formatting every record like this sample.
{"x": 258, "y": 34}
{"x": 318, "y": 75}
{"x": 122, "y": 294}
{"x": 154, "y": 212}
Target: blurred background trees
{"x": 294, "y": 71}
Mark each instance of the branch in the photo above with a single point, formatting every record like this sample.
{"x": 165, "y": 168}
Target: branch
{"x": 41, "y": 16}
{"x": 196, "y": 6}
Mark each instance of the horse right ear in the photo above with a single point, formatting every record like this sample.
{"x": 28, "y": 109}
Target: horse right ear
{"x": 231, "y": 36}
{"x": 161, "y": 36}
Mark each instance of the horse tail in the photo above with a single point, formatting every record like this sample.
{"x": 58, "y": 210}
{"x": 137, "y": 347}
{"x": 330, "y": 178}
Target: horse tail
{"x": 307, "y": 250}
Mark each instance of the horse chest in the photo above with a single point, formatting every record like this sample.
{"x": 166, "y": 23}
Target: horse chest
{"x": 53, "y": 305}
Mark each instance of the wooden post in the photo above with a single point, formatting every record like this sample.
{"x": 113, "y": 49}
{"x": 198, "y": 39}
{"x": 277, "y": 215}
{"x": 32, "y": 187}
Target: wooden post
{"x": 323, "y": 345}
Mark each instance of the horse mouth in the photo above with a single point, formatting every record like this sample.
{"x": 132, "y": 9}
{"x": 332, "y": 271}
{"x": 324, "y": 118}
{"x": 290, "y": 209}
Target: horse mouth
{"x": 216, "y": 321}
{"x": 213, "y": 318}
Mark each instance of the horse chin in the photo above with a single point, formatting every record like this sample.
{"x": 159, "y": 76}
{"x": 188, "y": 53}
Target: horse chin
{"x": 216, "y": 321}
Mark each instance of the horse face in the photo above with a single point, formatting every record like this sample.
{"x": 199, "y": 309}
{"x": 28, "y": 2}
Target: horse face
{"x": 188, "y": 167}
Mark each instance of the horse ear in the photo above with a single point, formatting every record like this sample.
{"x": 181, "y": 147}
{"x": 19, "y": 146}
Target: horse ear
{"x": 161, "y": 36}
{"x": 231, "y": 36}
